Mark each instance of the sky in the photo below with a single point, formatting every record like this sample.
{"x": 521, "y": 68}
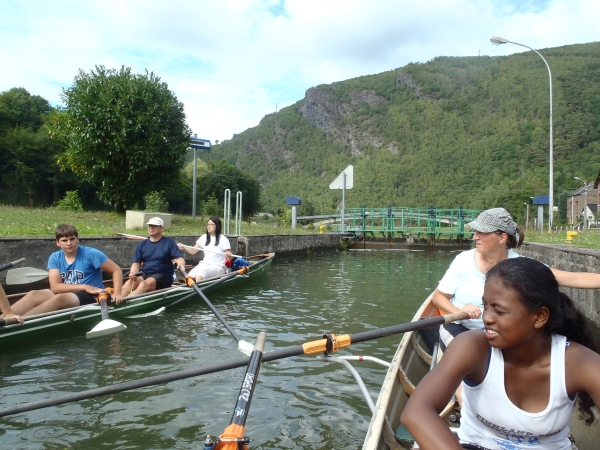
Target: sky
{"x": 231, "y": 62}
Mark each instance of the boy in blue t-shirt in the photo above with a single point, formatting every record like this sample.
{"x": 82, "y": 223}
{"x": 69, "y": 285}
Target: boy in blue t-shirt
{"x": 75, "y": 275}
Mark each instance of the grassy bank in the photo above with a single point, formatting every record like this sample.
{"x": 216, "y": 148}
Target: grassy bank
{"x": 41, "y": 222}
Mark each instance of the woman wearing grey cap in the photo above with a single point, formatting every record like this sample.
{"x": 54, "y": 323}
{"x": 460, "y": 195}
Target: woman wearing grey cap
{"x": 461, "y": 288}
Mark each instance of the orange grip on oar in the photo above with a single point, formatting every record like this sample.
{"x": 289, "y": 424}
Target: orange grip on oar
{"x": 232, "y": 437}
{"x": 243, "y": 270}
{"x": 331, "y": 344}
{"x": 189, "y": 280}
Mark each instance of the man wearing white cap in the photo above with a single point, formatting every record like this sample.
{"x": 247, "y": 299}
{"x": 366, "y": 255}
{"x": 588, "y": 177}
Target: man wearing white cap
{"x": 154, "y": 256}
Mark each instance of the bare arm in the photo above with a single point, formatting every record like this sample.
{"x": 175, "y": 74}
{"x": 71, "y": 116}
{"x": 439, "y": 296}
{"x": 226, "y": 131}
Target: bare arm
{"x": 580, "y": 280}
{"x": 58, "y": 287}
{"x": 582, "y": 369}
{"x": 180, "y": 263}
{"x": 442, "y": 301}
{"x": 466, "y": 355}
{"x": 109, "y": 266}
{"x": 187, "y": 249}
{"x": 7, "y": 312}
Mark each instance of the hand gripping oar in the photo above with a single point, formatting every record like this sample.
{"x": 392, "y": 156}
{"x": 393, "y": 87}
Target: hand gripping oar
{"x": 106, "y": 326}
{"x": 245, "y": 347}
{"x": 241, "y": 271}
{"x": 233, "y": 437}
{"x": 309, "y": 348}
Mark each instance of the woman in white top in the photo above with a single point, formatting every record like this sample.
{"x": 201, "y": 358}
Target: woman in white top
{"x": 520, "y": 374}
{"x": 461, "y": 288}
{"x": 216, "y": 249}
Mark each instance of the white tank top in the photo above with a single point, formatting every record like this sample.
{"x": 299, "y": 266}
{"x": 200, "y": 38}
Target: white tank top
{"x": 490, "y": 420}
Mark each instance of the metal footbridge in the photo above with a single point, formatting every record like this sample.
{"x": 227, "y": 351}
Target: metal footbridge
{"x": 400, "y": 222}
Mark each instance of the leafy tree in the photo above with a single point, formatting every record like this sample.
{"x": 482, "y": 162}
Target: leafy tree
{"x": 124, "y": 132}
{"x": 223, "y": 176}
{"x": 28, "y": 171}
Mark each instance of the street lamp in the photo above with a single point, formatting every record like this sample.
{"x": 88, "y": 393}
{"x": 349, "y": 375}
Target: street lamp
{"x": 585, "y": 184}
{"x": 498, "y": 41}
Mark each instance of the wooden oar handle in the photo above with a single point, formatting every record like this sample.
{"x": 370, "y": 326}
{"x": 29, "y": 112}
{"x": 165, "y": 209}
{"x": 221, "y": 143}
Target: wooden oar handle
{"x": 11, "y": 264}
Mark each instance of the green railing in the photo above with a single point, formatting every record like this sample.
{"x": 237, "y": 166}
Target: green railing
{"x": 402, "y": 222}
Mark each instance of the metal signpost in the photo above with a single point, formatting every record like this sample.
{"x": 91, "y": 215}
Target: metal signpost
{"x": 203, "y": 144}
{"x": 345, "y": 180}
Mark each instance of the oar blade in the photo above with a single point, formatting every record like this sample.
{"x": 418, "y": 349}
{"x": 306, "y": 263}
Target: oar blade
{"x": 107, "y": 326}
{"x": 148, "y": 314}
{"x": 24, "y": 275}
{"x": 245, "y": 347}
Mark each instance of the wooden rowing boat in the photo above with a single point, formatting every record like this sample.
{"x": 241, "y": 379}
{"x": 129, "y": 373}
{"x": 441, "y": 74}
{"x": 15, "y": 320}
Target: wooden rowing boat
{"x": 410, "y": 364}
{"x": 63, "y": 321}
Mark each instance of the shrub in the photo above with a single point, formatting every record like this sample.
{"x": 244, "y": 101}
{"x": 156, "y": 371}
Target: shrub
{"x": 70, "y": 202}
{"x": 156, "y": 202}
{"x": 212, "y": 208}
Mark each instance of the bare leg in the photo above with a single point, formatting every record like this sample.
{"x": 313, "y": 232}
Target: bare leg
{"x": 54, "y": 303}
{"x": 31, "y": 300}
{"x": 130, "y": 286}
{"x": 147, "y": 285}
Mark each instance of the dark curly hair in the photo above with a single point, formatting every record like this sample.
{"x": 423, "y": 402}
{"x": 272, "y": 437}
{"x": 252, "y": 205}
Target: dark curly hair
{"x": 537, "y": 287}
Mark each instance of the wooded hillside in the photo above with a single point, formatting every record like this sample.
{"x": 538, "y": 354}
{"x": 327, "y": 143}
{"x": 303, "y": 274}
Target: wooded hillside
{"x": 469, "y": 131}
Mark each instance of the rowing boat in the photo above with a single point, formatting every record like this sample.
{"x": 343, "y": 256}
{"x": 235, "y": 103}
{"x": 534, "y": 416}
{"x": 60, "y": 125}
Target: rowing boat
{"x": 65, "y": 320}
{"x": 412, "y": 361}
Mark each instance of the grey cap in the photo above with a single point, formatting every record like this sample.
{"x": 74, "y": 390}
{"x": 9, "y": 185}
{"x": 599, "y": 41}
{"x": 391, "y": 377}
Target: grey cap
{"x": 493, "y": 220}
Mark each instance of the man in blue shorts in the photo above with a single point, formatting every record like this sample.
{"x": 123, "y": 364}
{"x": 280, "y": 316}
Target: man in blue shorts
{"x": 154, "y": 256}
{"x": 75, "y": 275}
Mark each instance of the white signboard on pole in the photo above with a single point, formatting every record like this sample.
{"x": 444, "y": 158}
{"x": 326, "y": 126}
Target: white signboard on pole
{"x": 338, "y": 183}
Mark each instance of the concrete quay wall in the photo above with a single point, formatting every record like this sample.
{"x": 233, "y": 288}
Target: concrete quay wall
{"x": 121, "y": 250}
{"x": 571, "y": 259}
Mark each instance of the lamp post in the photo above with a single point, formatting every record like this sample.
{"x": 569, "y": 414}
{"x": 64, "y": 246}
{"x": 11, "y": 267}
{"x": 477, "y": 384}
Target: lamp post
{"x": 585, "y": 218}
{"x": 527, "y": 216}
{"x": 498, "y": 41}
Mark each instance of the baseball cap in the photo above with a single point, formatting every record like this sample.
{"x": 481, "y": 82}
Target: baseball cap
{"x": 156, "y": 221}
{"x": 493, "y": 220}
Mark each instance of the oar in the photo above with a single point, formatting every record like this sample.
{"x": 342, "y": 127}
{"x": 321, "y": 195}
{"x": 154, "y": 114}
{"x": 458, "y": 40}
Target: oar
{"x": 233, "y": 435}
{"x": 106, "y": 326}
{"x": 24, "y": 275}
{"x": 245, "y": 347}
{"x": 3, "y": 267}
{"x": 241, "y": 271}
{"x": 308, "y": 348}
{"x": 209, "y": 250}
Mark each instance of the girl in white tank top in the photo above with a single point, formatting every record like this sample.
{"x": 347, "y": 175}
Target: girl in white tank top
{"x": 520, "y": 376}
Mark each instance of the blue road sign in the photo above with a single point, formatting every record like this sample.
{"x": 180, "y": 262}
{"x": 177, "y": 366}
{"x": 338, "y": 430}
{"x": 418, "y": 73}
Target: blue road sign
{"x": 203, "y": 144}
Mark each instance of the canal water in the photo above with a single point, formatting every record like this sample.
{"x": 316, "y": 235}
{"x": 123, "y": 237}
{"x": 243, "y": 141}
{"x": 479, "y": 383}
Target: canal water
{"x": 299, "y": 402}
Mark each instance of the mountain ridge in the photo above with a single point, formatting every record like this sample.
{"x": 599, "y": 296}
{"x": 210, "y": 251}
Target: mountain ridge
{"x": 470, "y": 131}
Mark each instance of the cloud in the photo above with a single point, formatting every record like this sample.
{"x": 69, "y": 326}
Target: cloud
{"x": 231, "y": 62}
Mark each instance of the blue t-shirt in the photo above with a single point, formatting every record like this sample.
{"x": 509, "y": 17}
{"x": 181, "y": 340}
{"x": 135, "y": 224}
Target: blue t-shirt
{"x": 84, "y": 270}
{"x": 157, "y": 256}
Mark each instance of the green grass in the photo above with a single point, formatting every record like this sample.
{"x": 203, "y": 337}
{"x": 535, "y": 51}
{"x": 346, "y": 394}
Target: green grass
{"x": 585, "y": 239}
{"x": 40, "y": 222}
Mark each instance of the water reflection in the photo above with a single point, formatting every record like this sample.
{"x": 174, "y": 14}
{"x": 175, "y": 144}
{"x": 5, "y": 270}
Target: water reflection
{"x": 299, "y": 402}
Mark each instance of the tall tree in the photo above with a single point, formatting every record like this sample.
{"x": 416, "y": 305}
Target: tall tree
{"x": 124, "y": 132}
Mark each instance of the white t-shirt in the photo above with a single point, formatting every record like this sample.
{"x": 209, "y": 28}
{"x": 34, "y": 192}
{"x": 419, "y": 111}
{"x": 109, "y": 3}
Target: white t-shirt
{"x": 210, "y": 257}
{"x": 465, "y": 282}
